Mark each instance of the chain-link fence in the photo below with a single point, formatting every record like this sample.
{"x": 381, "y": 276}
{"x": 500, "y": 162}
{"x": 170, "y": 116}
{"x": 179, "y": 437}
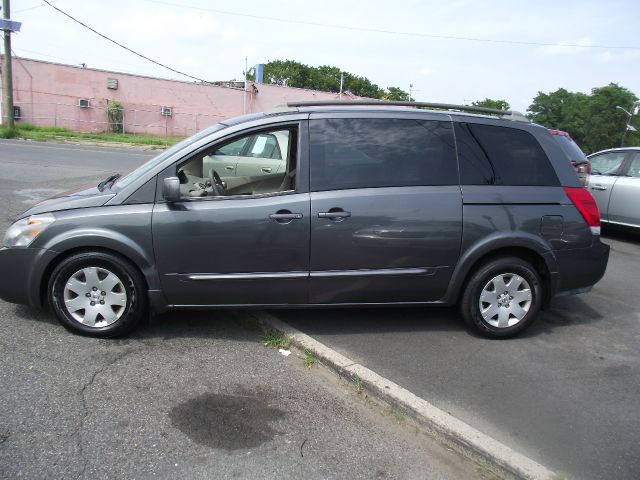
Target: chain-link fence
{"x": 94, "y": 116}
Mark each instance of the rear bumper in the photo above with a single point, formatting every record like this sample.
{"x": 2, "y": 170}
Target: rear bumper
{"x": 21, "y": 271}
{"x": 581, "y": 268}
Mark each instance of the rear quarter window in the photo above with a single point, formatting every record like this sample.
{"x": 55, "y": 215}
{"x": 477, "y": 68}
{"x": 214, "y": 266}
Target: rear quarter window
{"x": 492, "y": 155}
{"x": 364, "y": 153}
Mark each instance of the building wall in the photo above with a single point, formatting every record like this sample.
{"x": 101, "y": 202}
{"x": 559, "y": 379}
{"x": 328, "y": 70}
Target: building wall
{"x": 48, "y": 95}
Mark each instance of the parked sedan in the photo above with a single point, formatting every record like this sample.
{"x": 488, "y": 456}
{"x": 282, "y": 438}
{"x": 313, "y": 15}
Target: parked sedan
{"x": 615, "y": 184}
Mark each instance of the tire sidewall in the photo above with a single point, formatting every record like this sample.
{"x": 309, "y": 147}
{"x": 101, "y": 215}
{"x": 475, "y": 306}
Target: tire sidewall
{"x": 480, "y": 280}
{"x": 131, "y": 281}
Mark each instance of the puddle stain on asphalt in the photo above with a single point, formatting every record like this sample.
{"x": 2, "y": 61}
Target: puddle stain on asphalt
{"x": 228, "y": 422}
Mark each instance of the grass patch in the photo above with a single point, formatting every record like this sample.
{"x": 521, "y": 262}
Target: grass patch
{"x": 32, "y": 132}
{"x": 309, "y": 359}
{"x": 396, "y": 413}
{"x": 7, "y": 132}
{"x": 486, "y": 473}
{"x": 358, "y": 382}
{"x": 275, "y": 339}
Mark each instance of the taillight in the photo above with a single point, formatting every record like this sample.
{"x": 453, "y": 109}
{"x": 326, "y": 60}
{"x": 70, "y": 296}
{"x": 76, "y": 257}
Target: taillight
{"x": 583, "y": 168}
{"x": 586, "y": 205}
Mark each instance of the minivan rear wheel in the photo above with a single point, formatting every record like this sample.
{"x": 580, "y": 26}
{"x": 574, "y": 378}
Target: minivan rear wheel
{"x": 97, "y": 294}
{"x": 502, "y": 297}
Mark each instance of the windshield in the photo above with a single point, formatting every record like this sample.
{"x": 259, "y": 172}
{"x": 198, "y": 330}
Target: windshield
{"x": 149, "y": 165}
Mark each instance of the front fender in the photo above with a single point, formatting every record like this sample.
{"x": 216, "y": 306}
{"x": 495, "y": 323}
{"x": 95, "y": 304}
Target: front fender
{"x": 122, "y": 229}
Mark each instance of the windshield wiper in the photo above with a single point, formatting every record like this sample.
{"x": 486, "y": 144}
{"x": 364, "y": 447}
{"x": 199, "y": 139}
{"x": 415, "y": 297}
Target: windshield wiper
{"x": 108, "y": 181}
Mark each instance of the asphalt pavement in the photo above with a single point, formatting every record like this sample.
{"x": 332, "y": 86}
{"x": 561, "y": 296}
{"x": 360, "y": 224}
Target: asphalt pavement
{"x": 566, "y": 393}
{"x": 193, "y": 395}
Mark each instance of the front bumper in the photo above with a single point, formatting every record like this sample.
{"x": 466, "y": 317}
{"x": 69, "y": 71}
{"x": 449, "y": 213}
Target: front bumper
{"x": 21, "y": 271}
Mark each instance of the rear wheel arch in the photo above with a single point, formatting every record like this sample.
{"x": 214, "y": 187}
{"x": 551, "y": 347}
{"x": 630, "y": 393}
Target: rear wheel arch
{"x": 502, "y": 296}
{"x": 529, "y": 255}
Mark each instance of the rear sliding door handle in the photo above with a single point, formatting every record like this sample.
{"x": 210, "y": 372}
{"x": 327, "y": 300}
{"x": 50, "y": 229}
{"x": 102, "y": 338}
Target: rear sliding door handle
{"x": 334, "y": 214}
{"x": 598, "y": 187}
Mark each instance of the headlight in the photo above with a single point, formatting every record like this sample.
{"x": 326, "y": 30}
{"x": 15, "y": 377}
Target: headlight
{"x": 25, "y": 231}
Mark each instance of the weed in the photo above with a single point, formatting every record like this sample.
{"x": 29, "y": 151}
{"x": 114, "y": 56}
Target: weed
{"x": 358, "y": 381}
{"x": 275, "y": 339}
{"x": 486, "y": 473}
{"x": 7, "y": 132}
{"x": 396, "y": 413}
{"x": 309, "y": 359}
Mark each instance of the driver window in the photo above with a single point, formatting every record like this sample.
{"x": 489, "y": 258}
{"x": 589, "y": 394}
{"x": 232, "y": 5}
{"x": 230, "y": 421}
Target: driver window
{"x": 254, "y": 164}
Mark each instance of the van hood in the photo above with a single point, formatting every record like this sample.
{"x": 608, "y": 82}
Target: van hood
{"x": 85, "y": 197}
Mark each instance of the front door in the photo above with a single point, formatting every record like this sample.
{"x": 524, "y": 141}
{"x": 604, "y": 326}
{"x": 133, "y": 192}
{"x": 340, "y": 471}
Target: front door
{"x": 386, "y": 210}
{"x": 234, "y": 243}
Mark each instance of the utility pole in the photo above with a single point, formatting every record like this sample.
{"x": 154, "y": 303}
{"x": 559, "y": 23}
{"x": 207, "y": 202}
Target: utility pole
{"x": 244, "y": 93}
{"x": 8, "y": 76}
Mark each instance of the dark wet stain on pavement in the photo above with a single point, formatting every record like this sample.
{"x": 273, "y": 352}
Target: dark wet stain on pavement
{"x": 228, "y": 422}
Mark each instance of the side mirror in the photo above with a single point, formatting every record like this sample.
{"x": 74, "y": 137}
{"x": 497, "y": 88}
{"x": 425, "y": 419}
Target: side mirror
{"x": 171, "y": 189}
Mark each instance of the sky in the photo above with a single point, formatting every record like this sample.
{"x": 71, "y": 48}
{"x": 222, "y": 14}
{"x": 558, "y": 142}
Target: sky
{"x": 502, "y": 49}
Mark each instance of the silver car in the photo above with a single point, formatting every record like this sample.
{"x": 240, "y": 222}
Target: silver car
{"x": 615, "y": 184}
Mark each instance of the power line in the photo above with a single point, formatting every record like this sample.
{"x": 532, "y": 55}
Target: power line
{"x": 29, "y": 8}
{"x": 388, "y": 32}
{"x": 122, "y": 46}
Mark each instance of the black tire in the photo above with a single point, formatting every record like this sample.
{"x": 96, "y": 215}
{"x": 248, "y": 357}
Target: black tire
{"x": 130, "y": 289}
{"x": 482, "y": 278}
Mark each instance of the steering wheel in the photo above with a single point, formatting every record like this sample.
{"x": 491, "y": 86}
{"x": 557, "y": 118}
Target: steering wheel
{"x": 217, "y": 185}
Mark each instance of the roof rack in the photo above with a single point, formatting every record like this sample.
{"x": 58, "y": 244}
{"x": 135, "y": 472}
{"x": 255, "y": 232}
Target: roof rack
{"x": 506, "y": 114}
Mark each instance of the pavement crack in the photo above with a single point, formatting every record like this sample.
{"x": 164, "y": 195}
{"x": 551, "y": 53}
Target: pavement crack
{"x": 302, "y": 446}
{"x": 77, "y": 433}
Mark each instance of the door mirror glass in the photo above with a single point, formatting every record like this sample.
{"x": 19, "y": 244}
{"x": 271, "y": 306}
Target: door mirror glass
{"x": 171, "y": 189}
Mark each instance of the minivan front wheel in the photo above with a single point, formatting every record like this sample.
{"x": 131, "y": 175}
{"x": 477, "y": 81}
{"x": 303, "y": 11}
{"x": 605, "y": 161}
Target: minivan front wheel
{"x": 502, "y": 297}
{"x": 97, "y": 294}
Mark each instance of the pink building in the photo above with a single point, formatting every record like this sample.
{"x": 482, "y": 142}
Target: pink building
{"x": 52, "y": 94}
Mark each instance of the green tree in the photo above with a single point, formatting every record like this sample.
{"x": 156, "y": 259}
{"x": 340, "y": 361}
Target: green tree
{"x": 592, "y": 120}
{"x": 395, "y": 93}
{"x": 325, "y": 78}
{"x": 607, "y": 124}
{"x": 492, "y": 103}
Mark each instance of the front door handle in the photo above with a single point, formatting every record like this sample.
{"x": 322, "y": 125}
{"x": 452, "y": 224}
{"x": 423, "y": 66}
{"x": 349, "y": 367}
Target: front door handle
{"x": 230, "y": 167}
{"x": 598, "y": 187}
{"x": 335, "y": 214}
{"x": 285, "y": 216}
{"x": 266, "y": 169}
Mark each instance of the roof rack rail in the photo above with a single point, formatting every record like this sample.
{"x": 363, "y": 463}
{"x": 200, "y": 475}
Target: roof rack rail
{"x": 506, "y": 114}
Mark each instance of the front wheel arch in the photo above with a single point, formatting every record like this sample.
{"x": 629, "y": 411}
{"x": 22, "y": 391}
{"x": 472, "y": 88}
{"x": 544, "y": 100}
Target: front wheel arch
{"x": 46, "y": 276}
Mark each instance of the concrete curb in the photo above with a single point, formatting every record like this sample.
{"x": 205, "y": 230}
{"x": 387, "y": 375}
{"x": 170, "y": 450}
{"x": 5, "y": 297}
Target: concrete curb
{"x": 457, "y": 434}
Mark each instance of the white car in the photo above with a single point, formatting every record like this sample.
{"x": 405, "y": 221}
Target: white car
{"x": 615, "y": 184}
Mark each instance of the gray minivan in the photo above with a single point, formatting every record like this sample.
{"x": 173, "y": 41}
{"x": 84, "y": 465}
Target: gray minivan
{"x": 363, "y": 203}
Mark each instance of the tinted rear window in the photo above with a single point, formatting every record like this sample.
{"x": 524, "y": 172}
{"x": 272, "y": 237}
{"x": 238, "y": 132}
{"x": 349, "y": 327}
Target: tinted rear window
{"x": 570, "y": 148}
{"x": 491, "y": 155}
{"x": 363, "y": 153}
